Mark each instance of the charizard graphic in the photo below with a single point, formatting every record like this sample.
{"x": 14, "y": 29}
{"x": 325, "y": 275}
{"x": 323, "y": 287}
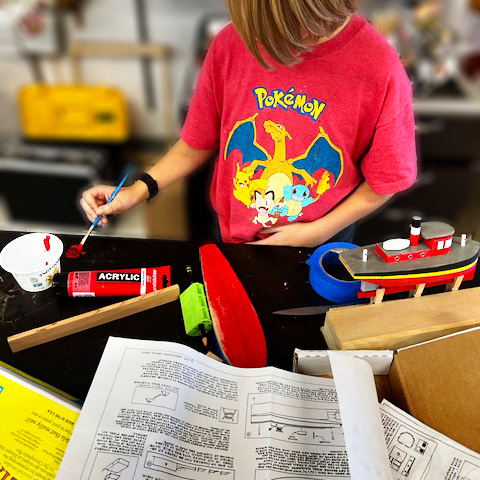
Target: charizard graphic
{"x": 321, "y": 154}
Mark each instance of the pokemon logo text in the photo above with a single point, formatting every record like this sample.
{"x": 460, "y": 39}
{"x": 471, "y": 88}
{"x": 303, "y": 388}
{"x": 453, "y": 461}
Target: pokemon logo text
{"x": 289, "y": 100}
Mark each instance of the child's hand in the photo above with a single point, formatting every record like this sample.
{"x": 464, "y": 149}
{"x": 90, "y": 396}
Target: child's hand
{"x": 94, "y": 200}
{"x": 293, "y": 235}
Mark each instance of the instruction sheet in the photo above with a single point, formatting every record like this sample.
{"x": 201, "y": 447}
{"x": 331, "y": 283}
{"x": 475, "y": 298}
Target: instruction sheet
{"x": 417, "y": 452}
{"x": 162, "y": 411}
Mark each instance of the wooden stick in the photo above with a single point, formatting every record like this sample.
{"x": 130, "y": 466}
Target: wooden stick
{"x": 214, "y": 357}
{"x": 453, "y": 287}
{"x": 418, "y": 291}
{"x": 79, "y": 323}
{"x": 378, "y": 298}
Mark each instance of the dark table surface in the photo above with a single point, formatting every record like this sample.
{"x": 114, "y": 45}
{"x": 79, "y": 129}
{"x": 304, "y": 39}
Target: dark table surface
{"x": 275, "y": 278}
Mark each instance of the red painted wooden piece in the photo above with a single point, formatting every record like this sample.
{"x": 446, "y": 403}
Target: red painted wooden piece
{"x": 237, "y": 327}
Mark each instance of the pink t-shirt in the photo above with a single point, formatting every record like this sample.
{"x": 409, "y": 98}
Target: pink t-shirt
{"x": 295, "y": 141}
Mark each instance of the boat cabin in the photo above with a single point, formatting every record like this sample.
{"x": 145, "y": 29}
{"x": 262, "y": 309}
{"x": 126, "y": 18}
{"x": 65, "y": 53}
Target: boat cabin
{"x": 427, "y": 239}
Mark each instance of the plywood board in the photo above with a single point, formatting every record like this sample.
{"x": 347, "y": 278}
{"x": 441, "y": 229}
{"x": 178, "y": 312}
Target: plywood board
{"x": 400, "y": 323}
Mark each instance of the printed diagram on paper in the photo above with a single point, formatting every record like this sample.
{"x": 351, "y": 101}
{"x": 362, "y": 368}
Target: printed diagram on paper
{"x": 469, "y": 471}
{"x": 161, "y": 411}
{"x": 416, "y": 452}
{"x": 157, "y": 397}
{"x": 311, "y": 423}
{"x": 108, "y": 466}
{"x": 407, "y": 448}
{"x": 228, "y": 415}
{"x": 183, "y": 470}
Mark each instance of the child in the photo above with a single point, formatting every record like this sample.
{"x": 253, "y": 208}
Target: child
{"x": 311, "y": 112}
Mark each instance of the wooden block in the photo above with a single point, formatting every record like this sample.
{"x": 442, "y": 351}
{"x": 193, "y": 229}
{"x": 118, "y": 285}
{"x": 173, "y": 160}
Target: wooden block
{"x": 328, "y": 338}
{"x": 79, "y": 323}
{"x": 453, "y": 287}
{"x": 400, "y": 323}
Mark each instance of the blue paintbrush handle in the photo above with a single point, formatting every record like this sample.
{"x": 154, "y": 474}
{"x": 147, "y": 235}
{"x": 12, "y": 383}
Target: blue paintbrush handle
{"x": 114, "y": 194}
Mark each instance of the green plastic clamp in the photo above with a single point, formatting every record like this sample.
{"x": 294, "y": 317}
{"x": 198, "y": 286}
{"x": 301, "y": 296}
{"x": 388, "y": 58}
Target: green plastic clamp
{"x": 195, "y": 310}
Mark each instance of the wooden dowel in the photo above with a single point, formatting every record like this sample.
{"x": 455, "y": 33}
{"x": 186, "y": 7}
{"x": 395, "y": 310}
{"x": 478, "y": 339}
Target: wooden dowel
{"x": 79, "y": 323}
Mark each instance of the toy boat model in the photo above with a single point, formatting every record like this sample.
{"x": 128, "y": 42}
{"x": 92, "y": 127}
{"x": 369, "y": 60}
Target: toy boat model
{"x": 432, "y": 256}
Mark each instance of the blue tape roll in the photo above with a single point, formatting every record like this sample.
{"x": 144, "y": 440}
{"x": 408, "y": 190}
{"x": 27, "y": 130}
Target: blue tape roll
{"x": 327, "y": 286}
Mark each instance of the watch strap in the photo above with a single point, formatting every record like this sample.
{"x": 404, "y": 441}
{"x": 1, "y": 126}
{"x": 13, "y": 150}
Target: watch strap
{"x": 151, "y": 184}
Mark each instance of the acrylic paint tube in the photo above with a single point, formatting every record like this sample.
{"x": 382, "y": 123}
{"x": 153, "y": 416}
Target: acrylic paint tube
{"x": 111, "y": 283}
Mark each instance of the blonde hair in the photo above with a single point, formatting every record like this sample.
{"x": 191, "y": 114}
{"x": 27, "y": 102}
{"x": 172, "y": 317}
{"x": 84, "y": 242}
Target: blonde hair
{"x": 285, "y": 28}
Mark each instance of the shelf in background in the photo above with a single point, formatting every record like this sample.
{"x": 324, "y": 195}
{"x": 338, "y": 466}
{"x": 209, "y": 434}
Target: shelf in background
{"x": 448, "y": 107}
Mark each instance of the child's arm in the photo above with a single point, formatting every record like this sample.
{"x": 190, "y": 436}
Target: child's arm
{"x": 356, "y": 206}
{"x": 179, "y": 161}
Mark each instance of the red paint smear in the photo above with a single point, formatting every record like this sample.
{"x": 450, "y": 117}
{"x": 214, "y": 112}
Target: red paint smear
{"x": 236, "y": 324}
{"x": 46, "y": 242}
{"x": 75, "y": 251}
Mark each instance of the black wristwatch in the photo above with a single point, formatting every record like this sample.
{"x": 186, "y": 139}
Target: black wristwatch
{"x": 151, "y": 184}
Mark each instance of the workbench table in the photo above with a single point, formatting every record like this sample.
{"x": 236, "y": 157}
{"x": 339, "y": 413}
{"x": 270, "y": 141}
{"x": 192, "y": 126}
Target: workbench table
{"x": 275, "y": 278}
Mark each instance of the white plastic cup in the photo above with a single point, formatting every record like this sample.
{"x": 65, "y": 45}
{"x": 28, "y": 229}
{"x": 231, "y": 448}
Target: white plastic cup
{"x": 30, "y": 262}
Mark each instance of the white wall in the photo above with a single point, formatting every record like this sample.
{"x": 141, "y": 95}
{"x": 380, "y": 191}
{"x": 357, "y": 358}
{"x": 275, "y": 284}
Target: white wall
{"x": 174, "y": 22}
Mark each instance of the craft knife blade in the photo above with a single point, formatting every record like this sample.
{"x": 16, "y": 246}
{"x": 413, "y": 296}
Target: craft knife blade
{"x": 310, "y": 311}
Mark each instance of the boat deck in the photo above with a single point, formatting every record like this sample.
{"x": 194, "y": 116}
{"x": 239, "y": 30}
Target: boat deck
{"x": 375, "y": 266}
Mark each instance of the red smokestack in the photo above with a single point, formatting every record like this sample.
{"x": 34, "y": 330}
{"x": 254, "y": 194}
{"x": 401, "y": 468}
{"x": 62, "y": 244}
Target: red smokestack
{"x": 415, "y": 230}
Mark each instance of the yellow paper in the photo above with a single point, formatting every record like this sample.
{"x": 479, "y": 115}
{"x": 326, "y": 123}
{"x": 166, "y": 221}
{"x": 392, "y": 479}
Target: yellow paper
{"x": 34, "y": 431}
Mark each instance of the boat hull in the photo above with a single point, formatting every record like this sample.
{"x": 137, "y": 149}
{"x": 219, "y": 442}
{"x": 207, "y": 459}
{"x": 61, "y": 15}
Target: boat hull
{"x": 397, "y": 284}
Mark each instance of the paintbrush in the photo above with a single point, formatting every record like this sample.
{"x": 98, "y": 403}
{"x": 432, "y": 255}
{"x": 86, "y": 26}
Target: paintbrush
{"x": 76, "y": 250}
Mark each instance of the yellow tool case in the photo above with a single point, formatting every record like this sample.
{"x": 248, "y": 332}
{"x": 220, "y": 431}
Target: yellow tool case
{"x": 73, "y": 113}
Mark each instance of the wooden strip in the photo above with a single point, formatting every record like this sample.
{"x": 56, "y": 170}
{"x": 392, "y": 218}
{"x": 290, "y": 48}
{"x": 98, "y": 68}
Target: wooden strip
{"x": 453, "y": 287}
{"x": 400, "y": 323}
{"x": 100, "y": 49}
{"x": 418, "y": 291}
{"x": 214, "y": 357}
{"x": 79, "y": 323}
{"x": 379, "y": 294}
